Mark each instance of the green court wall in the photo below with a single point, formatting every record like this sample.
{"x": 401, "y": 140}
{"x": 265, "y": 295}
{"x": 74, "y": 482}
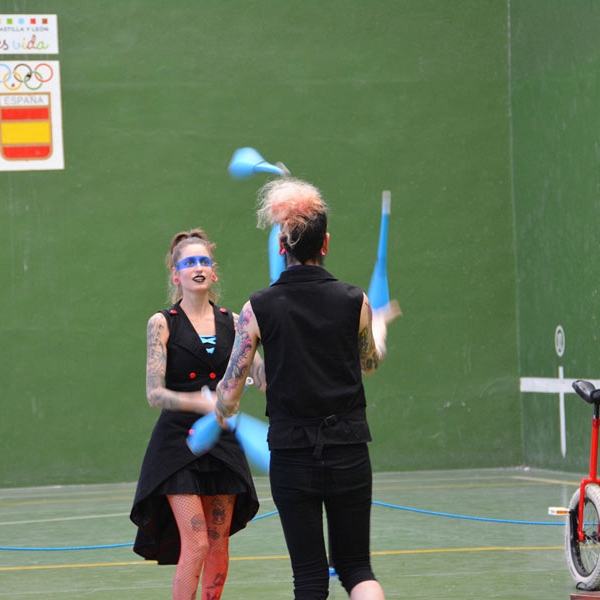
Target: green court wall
{"x": 411, "y": 96}
{"x": 555, "y": 87}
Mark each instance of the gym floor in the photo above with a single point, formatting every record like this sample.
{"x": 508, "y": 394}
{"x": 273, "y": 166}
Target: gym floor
{"x": 435, "y": 535}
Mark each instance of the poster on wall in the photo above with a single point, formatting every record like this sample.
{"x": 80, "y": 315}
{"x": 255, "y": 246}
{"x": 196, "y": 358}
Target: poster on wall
{"x": 31, "y": 136}
{"x": 28, "y": 34}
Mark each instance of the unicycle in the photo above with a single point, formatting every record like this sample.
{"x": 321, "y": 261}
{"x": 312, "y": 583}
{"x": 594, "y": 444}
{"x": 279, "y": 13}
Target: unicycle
{"x": 582, "y": 531}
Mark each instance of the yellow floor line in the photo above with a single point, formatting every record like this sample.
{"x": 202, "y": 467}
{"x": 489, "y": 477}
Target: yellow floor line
{"x": 283, "y": 556}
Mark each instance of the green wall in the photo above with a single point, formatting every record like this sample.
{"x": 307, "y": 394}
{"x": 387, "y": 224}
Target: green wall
{"x": 555, "y": 87}
{"x": 356, "y": 96}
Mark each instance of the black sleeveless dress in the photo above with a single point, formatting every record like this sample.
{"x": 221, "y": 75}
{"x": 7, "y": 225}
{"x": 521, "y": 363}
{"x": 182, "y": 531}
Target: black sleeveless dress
{"x": 169, "y": 467}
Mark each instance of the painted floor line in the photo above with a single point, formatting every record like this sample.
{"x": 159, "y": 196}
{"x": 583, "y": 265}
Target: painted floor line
{"x": 286, "y": 557}
{"x": 457, "y": 486}
{"x": 65, "y": 500}
{"x": 57, "y": 519}
{"x": 550, "y": 481}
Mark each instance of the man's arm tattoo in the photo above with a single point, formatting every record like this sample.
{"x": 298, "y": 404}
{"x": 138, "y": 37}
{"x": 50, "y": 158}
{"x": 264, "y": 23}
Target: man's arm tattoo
{"x": 240, "y": 354}
{"x": 369, "y": 359}
{"x": 257, "y": 372}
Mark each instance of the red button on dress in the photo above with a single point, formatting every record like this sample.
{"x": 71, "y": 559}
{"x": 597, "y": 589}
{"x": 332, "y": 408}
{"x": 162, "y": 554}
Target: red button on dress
{"x": 192, "y": 375}
{"x": 212, "y": 375}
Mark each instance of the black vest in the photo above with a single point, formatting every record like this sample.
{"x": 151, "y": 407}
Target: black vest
{"x": 308, "y": 323}
{"x": 189, "y": 366}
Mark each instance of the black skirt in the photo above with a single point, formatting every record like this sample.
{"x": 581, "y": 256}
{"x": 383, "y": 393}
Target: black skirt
{"x": 206, "y": 476}
{"x": 170, "y": 468}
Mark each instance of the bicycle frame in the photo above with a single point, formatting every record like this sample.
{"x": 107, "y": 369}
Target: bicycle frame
{"x": 593, "y": 475}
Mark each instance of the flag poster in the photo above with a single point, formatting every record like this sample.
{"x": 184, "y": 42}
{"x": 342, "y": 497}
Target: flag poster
{"x": 30, "y": 116}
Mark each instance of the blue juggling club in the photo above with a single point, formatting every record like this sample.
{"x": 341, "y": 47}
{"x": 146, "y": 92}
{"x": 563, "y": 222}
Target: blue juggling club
{"x": 276, "y": 260}
{"x": 251, "y": 433}
{"x": 379, "y": 293}
{"x": 247, "y": 161}
{"x": 204, "y": 434}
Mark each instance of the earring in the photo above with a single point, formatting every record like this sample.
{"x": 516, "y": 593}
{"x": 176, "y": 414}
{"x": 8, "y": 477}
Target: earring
{"x": 214, "y": 277}
{"x": 176, "y": 280}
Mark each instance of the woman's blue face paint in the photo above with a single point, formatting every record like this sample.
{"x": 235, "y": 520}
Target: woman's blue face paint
{"x": 192, "y": 261}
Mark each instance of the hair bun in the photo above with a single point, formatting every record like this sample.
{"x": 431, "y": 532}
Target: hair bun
{"x": 289, "y": 202}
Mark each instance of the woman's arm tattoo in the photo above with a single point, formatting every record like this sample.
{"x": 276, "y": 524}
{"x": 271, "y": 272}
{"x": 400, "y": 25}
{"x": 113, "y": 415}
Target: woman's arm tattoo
{"x": 156, "y": 354}
{"x": 156, "y": 360}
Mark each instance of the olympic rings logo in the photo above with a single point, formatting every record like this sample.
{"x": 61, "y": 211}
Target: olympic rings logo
{"x": 23, "y": 74}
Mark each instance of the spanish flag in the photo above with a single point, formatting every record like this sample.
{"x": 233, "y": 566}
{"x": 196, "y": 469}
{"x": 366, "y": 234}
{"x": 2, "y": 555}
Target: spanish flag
{"x": 25, "y": 126}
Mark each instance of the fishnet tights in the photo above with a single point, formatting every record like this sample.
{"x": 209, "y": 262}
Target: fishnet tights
{"x": 203, "y": 523}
